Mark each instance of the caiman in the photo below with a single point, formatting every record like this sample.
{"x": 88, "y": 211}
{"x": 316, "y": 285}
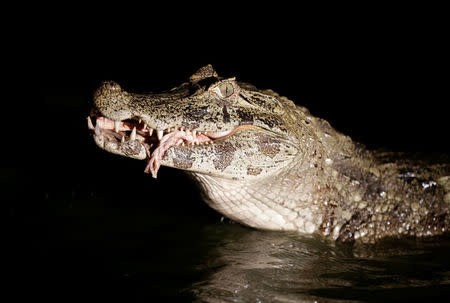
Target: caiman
{"x": 264, "y": 162}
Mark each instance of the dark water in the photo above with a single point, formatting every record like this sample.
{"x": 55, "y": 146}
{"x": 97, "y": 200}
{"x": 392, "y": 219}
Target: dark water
{"x": 255, "y": 266}
{"x": 85, "y": 245}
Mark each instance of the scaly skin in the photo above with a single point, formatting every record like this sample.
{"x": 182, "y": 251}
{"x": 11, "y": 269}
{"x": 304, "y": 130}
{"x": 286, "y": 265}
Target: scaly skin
{"x": 267, "y": 163}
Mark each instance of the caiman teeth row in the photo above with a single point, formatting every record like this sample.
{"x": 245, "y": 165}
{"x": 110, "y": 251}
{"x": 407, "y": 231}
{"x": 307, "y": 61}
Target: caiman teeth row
{"x": 145, "y": 128}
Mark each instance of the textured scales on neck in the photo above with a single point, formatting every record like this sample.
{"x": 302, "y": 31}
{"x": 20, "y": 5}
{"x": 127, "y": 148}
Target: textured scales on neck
{"x": 267, "y": 163}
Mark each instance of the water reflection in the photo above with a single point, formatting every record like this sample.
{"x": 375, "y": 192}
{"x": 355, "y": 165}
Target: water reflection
{"x": 245, "y": 265}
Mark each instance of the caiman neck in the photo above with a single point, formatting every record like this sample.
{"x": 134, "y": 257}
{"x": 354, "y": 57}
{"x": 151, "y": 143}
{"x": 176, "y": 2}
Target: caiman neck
{"x": 339, "y": 189}
{"x": 301, "y": 196}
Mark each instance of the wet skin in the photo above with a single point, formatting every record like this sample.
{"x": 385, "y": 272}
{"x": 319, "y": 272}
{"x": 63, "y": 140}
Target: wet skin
{"x": 263, "y": 161}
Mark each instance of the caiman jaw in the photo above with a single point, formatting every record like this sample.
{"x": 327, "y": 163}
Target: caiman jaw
{"x": 136, "y": 139}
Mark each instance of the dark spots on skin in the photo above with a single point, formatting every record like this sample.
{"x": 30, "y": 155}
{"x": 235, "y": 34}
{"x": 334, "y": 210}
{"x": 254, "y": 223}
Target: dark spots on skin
{"x": 270, "y": 122}
{"x": 245, "y": 98}
{"x": 261, "y": 100}
{"x": 224, "y": 154}
{"x": 130, "y": 148}
{"x": 183, "y": 159}
{"x": 268, "y": 145}
{"x": 226, "y": 115}
{"x": 197, "y": 113}
{"x": 345, "y": 166}
{"x": 254, "y": 171}
{"x": 244, "y": 117}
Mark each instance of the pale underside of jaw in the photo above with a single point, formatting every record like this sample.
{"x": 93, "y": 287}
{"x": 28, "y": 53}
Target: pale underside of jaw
{"x": 124, "y": 131}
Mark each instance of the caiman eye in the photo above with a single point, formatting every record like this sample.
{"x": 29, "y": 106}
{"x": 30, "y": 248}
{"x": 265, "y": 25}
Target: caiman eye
{"x": 225, "y": 89}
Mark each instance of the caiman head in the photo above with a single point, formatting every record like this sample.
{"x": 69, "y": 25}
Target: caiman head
{"x": 209, "y": 125}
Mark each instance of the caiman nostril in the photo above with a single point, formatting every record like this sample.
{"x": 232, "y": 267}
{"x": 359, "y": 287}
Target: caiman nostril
{"x": 111, "y": 85}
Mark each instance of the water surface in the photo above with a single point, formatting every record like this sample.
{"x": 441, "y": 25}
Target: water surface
{"x": 258, "y": 266}
{"x": 93, "y": 246}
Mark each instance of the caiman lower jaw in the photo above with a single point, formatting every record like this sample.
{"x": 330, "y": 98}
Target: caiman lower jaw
{"x": 135, "y": 139}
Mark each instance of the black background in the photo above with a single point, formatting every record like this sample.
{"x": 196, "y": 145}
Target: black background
{"x": 380, "y": 78}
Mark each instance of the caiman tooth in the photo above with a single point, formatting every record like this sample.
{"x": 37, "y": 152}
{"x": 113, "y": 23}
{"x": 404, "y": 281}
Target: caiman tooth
{"x": 89, "y": 122}
{"x": 194, "y": 133}
{"x": 150, "y": 131}
{"x": 116, "y": 126}
{"x": 140, "y": 120}
{"x": 144, "y": 127}
{"x": 133, "y": 134}
{"x": 159, "y": 134}
{"x": 123, "y": 139}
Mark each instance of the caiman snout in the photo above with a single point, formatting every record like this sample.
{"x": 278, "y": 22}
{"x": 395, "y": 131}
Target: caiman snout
{"x": 112, "y": 101}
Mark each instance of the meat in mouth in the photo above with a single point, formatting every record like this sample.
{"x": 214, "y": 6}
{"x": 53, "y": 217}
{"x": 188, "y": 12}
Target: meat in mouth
{"x": 155, "y": 142}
